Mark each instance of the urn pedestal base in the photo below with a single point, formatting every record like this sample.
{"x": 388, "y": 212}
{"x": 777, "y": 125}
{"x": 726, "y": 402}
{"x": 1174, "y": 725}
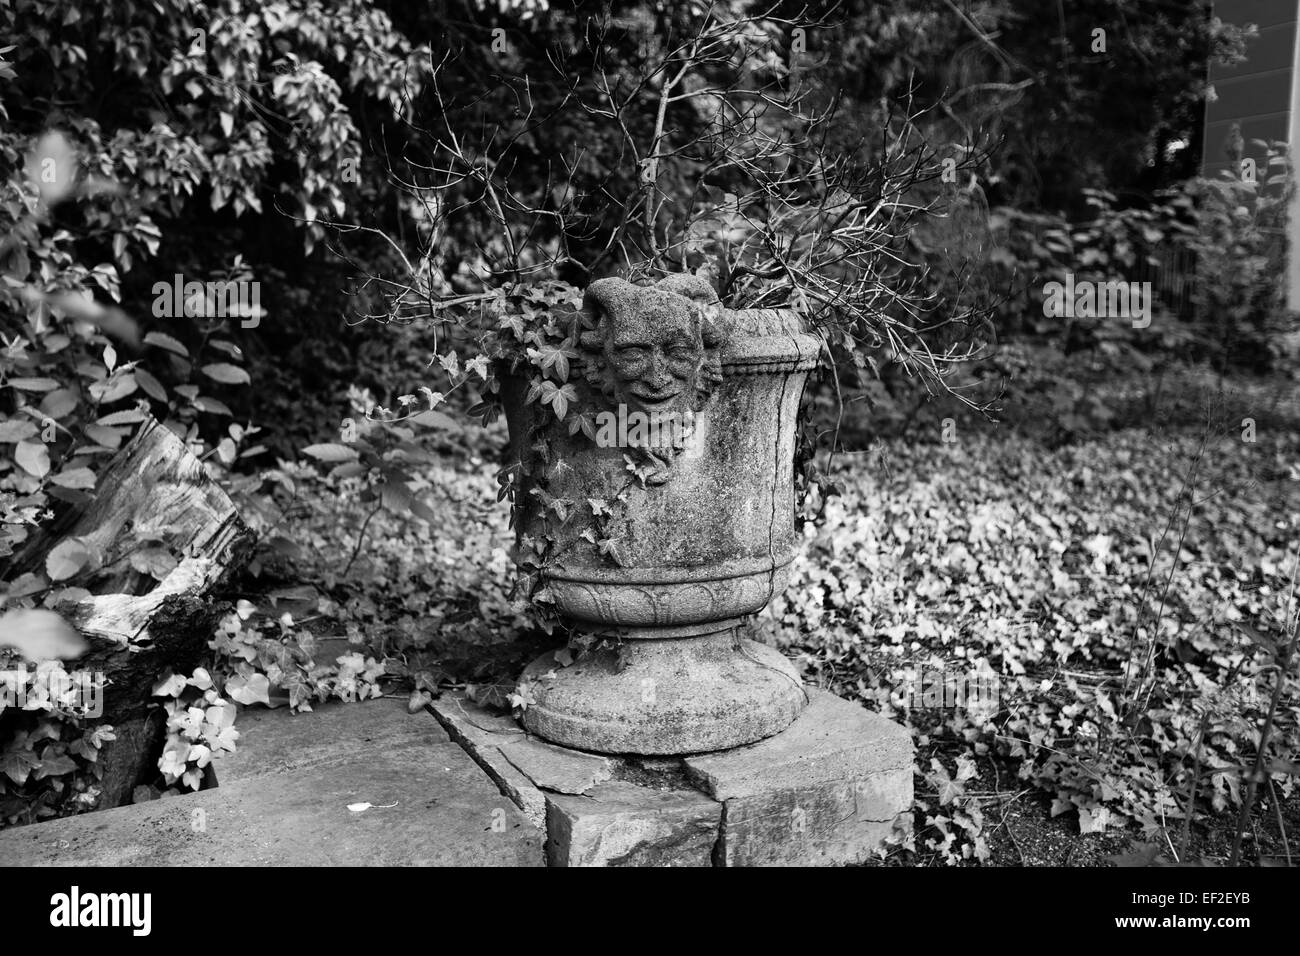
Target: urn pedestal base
{"x": 664, "y": 696}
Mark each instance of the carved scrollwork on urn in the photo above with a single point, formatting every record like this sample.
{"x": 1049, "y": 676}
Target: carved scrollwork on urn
{"x": 666, "y": 599}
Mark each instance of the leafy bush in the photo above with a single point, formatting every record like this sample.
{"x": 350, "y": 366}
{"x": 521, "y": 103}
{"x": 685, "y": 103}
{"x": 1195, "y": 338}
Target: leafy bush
{"x": 69, "y": 397}
{"x": 252, "y": 665}
{"x": 49, "y": 763}
{"x": 1241, "y": 255}
{"x": 1223, "y": 237}
{"x": 200, "y": 726}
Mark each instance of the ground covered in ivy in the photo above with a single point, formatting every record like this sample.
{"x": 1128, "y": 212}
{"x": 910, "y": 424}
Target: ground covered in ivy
{"x": 1106, "y": 616}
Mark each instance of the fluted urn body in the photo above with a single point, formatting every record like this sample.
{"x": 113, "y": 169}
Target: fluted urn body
{"x": 670, "y": 526}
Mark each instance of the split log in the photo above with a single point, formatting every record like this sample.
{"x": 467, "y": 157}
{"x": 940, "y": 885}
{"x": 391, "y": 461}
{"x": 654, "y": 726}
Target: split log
{"x": 154, "y": 490}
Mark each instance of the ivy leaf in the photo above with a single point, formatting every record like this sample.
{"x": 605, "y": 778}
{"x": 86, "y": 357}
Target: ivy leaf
{"x": 54, "y": 766}
{"x": 418, "y": 700}
{"x": 1094, "y": 821}
{"x": 560, "y": 398}
{"x": 965, "y": 768}
{"x": 255, "y": 689}
{"x": 949, "y": 789}
{"x": 561, "y": 508}
{"x": 17, "y": 764}
{"x": 550, "y": 357}
{"x": 613, "y": 550}
{"x": 514, "y": 322}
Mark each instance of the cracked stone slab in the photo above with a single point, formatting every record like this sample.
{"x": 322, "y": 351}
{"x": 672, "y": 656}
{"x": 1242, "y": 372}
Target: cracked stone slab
{"x": 828, "y": 790}
{"x": 622, "y": 824}
{"x": 556, "y": 768}
{"x": 479, "y": 732}
{"x": 523, "y": 766}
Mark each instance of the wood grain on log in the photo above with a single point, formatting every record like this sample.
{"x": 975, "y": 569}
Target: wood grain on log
{"x": 154, "y": 490}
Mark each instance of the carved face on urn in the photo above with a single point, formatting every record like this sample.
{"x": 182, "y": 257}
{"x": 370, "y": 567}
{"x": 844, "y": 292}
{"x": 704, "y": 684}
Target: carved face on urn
{"x": 654, "y": 349}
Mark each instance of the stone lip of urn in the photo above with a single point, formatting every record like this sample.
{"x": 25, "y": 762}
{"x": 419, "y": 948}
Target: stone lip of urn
{"x": 697, "y": 521}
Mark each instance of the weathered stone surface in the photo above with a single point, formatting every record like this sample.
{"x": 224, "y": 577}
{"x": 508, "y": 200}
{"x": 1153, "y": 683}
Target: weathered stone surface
{"x": 521, "y": 765}
{"x": 280, "y": 810}
{"x": 276, "y": 741}
{"x": 463, "y": 712}
{"x": 823, "y": 825}
{"x": 620, "y": 824}
{"x": 828, "y": 790}
{"x": 833, "y": 739}
{"x": 557, "y": 768}
{"x": 666, "y": 696}
{"x": 481, "y": 734}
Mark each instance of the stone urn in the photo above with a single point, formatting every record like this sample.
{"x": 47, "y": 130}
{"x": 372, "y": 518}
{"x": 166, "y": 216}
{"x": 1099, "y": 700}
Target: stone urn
{"x": 672, "y": 526}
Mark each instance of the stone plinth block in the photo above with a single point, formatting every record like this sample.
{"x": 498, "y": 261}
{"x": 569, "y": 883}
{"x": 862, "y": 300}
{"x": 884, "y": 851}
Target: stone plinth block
{"x": 621, "y": 824}
{"x": 827, "y": 790}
